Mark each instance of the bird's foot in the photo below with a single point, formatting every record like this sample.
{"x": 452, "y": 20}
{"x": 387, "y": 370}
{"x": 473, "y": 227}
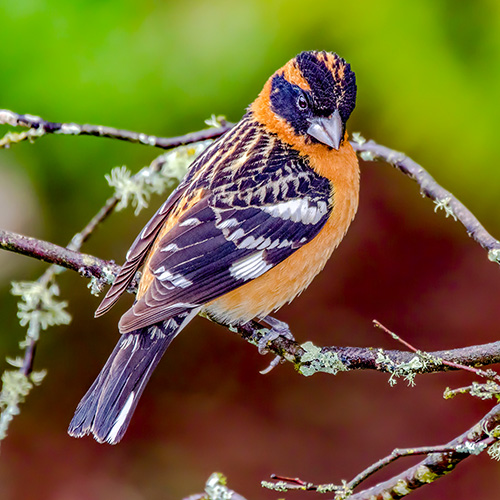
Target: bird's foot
{"x": 278, "y": 329}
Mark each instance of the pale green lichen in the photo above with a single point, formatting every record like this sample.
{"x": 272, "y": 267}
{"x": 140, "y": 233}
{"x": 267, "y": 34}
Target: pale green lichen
{"x": 401, "y": 488}
{"x": 216, "y": 487}
{"x": 14, "y": 137}
{"x": 488, "y": 390}
{"x": 396, "y": 158}
{"x": 367, "y": 156}
{"x": 314, "y": 360}
{"x": 277, "y": 486}
{"x": 471, "y": 447}
{"x": 128, "y": 189}
{"x": 494, "y": 451}
{"x": 96, "y": 286}
{"x": 215, "y": 121}
{"x": 358, "y": 138}
{"x": 407, "y": 371}
{"x": 341, "y": 492}
{"x": 38, "y": 308}
{"x": 494, "y": 255}
{"x": 15, "y": 387}
{"x": 444, "y": 204}
{"x": 425, "y": 475}
{"x": 136, "y": 190}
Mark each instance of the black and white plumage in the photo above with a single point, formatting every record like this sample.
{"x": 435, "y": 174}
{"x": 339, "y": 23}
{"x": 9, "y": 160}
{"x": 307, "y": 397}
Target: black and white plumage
{"x": 254, "y": 220}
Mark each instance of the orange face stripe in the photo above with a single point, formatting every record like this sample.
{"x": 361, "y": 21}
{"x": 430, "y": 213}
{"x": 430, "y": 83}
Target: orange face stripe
{"x": 293, "y": 74}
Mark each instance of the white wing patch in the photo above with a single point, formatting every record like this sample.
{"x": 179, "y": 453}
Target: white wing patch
{"x": 177, "y": 280}
{"x": 250, "y": 267}
{"x": 193, "y": 221}
{"x": 298, "y": 210}
{"x": 227, "y": 223}
{"x": 171, "y": 247}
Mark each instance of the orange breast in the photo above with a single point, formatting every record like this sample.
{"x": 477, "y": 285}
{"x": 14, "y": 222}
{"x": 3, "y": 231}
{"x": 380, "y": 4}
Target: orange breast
{"x": 285, "y": 281}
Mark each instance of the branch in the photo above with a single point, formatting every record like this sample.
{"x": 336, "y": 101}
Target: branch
{"x": 440, "y": 461}
{"x": 367, "y": 150}
{"x": 86, "y": 265}
{"x": 309, "y": 359}
{"x": 371, "y": 151}
{"x": 38, "y": 127}
{"x": 436, "y": 465}
{"x": 352, "y": 358}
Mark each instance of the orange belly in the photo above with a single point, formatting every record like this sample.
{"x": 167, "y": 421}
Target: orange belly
{"x": 284, "y": 282}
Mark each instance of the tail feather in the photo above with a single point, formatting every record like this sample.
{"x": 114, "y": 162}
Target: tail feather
{"x": 105, "y": 411}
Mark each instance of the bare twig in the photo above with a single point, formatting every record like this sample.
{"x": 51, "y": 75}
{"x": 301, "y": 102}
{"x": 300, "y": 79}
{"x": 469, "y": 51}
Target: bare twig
{"x": 38, "y": 127}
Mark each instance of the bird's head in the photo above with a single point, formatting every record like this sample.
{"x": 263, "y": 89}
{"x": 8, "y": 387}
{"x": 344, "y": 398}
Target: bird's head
{"x": 309, "y": 99}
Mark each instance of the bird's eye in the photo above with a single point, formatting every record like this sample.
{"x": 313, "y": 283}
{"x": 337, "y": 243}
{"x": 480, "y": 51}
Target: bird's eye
{"x": 302, "y": 102}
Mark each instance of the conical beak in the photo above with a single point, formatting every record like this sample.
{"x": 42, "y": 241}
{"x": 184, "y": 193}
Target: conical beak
{"x": 329, "y": 131}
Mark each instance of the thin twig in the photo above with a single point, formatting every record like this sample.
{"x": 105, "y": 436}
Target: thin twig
{"x": 439, "y": 461}
{"x": 452, "y": 364}
{"x": 39, "y": 127}
{"x": 85, "y": 264}
{"x": 436, "y": 465}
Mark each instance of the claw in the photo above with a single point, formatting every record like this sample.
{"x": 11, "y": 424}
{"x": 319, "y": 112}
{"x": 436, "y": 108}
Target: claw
{"x": 278, "y": 329}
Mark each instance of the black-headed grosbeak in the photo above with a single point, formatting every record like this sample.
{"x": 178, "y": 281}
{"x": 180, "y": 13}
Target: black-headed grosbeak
{"x": 255, "y": 219}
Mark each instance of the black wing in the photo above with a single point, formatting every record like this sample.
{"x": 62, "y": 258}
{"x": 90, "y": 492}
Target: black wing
{"x": 144, "y": 241}
{"x": 253, "y": 216}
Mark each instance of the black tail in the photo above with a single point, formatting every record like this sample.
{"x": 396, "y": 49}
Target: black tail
{"x": 106, "y": 409}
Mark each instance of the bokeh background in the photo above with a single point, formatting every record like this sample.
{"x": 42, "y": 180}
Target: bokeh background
{"x": 428, "y": 76}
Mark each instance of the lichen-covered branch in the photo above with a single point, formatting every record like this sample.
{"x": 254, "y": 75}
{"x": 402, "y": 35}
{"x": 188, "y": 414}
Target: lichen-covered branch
{"x": 367, "y": 150}
{"x": 39, "y": 308}
{"x": 307, "y": 358}
{"x": 439, "y": 461}
{"x": 38, "y": 127}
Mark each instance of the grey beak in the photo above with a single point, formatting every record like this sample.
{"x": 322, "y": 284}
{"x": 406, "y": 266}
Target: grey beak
{"x": 329, "y": 131}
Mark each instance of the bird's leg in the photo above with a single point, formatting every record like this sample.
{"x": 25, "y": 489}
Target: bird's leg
{"x": 252, "y": 329}
{"x": 278, "y": 329}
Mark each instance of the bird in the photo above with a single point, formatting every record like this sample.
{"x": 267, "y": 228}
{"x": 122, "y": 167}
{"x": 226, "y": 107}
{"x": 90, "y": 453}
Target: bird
{"x": 253, "y": 221}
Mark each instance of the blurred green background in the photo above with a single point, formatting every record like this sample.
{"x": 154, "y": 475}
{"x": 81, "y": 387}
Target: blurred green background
{"x": 428, "y": 76}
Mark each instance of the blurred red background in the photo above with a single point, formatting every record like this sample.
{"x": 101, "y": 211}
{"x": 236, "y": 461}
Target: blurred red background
{"x": 207, "y": 408}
